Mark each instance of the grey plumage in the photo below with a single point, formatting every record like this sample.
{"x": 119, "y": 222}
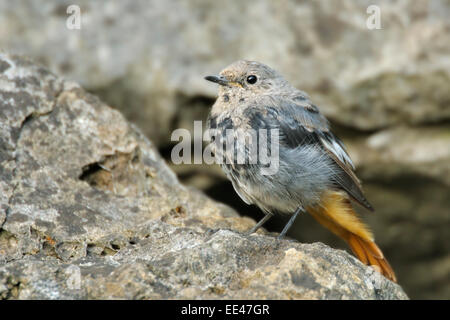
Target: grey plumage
{"x": 311, "y": 159}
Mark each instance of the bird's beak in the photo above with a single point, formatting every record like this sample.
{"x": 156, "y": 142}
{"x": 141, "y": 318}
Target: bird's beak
{"x": 223, "y": 81}
{"x": 218, "y": 79}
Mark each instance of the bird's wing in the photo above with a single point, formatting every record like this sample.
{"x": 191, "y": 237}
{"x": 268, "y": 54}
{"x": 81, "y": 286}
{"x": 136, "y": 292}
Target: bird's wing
{"x": 301, "y": 123}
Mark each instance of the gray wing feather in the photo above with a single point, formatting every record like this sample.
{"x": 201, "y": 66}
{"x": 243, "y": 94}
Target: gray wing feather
{"x": 301, "y": 123}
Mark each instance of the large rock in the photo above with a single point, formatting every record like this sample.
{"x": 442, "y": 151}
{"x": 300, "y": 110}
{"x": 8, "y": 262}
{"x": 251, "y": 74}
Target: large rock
{"x": 90, "y": 210}
{"x": 178, "y": 263}
{"x": 385, "y": 91}
{"x": 416, "y": 151}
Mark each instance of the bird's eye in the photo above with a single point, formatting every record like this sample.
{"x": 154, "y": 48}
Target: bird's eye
{"x": 252, "y": 79}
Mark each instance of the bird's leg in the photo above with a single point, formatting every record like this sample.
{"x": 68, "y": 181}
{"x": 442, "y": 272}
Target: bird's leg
{"x": 290, "y": 222}
{"x": 260, "y": 223}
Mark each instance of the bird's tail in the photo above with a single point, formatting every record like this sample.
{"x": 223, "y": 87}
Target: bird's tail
{"x": 336, "y": 214}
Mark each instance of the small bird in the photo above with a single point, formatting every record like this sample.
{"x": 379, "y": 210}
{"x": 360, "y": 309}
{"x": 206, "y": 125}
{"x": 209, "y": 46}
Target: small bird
{"x": 315, "y": 173}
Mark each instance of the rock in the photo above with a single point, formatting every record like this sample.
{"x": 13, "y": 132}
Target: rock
{"x": 89, "y": 210}
{"x": 385, "y": 92}
{"x": 67, "y": 157}
{"x": 148, "y": 58}
{"x": 422, "y": 151}
{"x": 179, "y": 263}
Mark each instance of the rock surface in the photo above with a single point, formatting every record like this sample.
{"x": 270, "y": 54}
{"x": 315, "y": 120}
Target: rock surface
{"x": 90, "y": 210}
{"x": 361, "y": 78}
{"x": 385, "y": 91}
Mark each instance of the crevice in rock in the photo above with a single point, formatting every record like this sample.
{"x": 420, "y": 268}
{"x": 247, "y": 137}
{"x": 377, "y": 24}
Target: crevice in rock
{"x": 113, "y": 169}
{"x": 89, "y": 171}
{"x": 108, "y": 252}
{"x": 36, "y": 114}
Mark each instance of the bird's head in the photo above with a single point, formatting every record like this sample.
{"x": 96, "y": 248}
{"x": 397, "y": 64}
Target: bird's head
{"x": 248, "y": 77}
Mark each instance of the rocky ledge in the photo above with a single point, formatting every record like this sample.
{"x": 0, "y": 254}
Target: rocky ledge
{"x": 89, "y": 210}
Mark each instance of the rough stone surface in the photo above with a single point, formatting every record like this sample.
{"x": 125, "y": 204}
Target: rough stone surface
{"x": 90, "y": 210}
{"x": 167, "y": 262}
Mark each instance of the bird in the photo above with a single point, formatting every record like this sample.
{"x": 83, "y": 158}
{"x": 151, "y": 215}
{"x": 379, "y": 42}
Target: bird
{"x": 315, "y": 173}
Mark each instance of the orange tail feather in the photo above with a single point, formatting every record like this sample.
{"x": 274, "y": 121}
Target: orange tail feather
{"x": 336, "y": 214}
{"x": 369, "y": 254}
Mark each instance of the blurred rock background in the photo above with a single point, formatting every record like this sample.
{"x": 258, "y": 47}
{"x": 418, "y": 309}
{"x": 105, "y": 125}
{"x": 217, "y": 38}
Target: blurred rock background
{"x": 385, "y": 91}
